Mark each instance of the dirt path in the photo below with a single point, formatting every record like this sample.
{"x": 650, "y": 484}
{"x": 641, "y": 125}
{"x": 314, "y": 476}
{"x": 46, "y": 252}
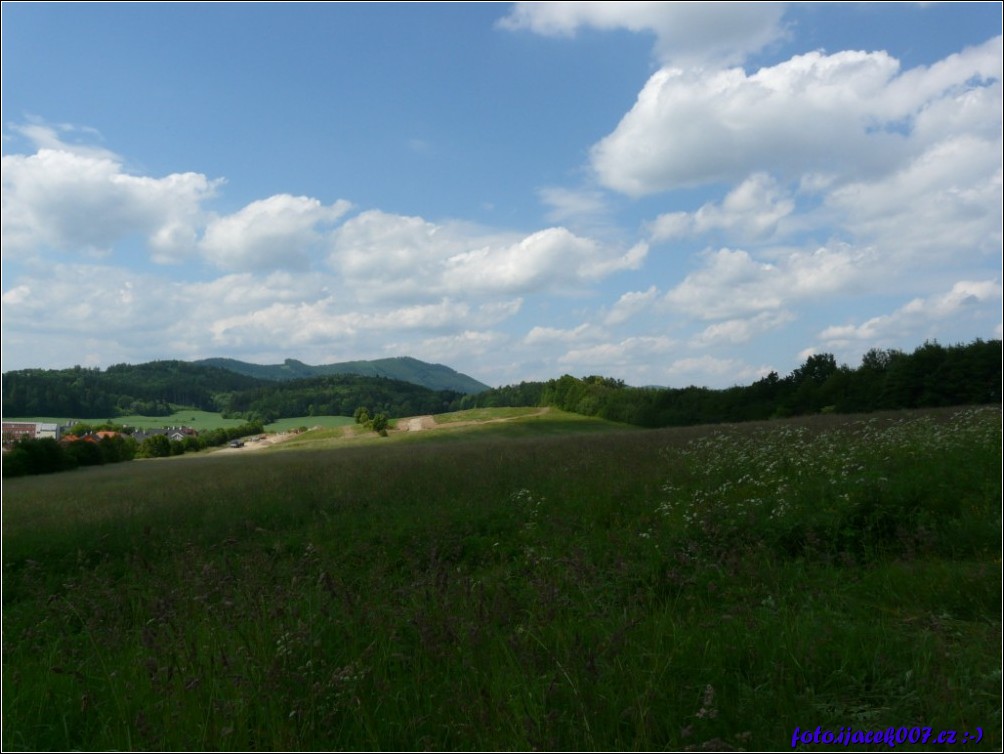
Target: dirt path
{"x": 265, "y": 442}
{"x": 407, "y": 424}
{"x": 418, "y": 423}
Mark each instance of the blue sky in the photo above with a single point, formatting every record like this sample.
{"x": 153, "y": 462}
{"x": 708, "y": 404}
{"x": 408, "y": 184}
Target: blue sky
{"x": 669, "y": 194}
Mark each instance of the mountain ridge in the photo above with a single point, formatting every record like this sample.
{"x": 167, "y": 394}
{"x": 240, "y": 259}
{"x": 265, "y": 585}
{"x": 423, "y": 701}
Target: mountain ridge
{"x": 405, "y": 368}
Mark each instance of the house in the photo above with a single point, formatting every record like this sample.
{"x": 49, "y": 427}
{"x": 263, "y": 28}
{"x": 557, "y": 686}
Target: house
{"x": 181, "y": 433}
{"x": 89, "y": 437}
{"x": 14, "y": 431}
{"x": 173, "y": 433}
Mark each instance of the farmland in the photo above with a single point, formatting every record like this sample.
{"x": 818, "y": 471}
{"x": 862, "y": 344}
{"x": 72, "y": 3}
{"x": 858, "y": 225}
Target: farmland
{"x": 546, "y": 581}
{"x": 198, "y": 420}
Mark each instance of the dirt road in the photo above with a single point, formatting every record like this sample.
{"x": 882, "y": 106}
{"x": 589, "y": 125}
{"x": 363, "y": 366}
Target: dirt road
{"x": 417, "y": 423}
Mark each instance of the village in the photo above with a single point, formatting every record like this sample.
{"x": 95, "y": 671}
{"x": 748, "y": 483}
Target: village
{"x": 63, "y": 434}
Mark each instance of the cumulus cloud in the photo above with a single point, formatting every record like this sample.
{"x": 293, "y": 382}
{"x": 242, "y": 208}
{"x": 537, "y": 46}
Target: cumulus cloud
{"x": 694, "y": 34}
{"x": 965, "y": 296}
{"x": 553, "y": 256}
{"x": 750, "y": 212}
{"x": 277, "y": 232}
{"x": 733, "y": 283}
{"x": 72, "y": 201}
{"x": 849, "y": 114}
{"x": 630, "y": 305}
{"x": 947, "y": 201}
{"x": 307, "y": 323}
{"x": 708, "y": 370}
{"x": 397, "y": 255}
{"x": 80, "y": 198}
{"x": 737, "y": 331}
{"x": 624, "y": 353}
{"x": 59, "y": 310}
{"x": 552, "y": 336}
{"x": 461, "y": 350}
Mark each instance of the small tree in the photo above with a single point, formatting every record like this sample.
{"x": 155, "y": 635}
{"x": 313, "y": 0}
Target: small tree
{"x": 380, "y": 423}
{"x": 362, "y": 415}
{"x": 155, "y": 446}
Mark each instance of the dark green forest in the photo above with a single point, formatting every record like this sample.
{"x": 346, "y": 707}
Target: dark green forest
{"x": 933, "y": 375}
{"x": 123, "y": 389}
{"x": 337, "y": 395}
{"x": 432, "y": 376}
{"x": 153, "y": 389}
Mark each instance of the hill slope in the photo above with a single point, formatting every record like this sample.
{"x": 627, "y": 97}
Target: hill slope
{"x": 154, "y": 389}
{"x": 405, "y": 368}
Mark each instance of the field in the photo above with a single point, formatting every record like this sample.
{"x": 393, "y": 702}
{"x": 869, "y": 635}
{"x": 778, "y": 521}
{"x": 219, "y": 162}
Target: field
{"x": 538, "y": 583}
{"x": 200, "y": 420}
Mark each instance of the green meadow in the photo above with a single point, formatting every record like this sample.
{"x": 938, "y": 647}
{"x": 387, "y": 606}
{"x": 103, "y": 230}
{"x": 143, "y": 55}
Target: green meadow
{"x": 518, "y": 580}
{"x": 201, "y": 420}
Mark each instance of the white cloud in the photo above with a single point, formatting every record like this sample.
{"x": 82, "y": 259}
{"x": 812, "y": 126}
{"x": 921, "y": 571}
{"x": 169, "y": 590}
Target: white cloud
{"x": 458, "y": 350}
{"x": 306, "y": 323}
{"x": 737, "y": 331}
{"x": 58, "y": 310}
{"x": 850, "y": 114}
{"x": 79, "y": 198}
{"x": 750, "y": 212}
{"x": 630, "y": 305}
{"x": 583, "y": 205}
{"x": 277, "y": 232}
{"x": 915, "y": 317}
{"x": 711, "y": 371}
{"x": 686, "y": 33}
{"x": 552, "y": 258}
{"x": 733, "y": 283}
{"x": 553, "y": 336}
{"x": 393, "y": 255}
{"x": 81, "y": 202}
{"x": 624, "y": 353}
{"x": 58, "y": 138}
{"x": 947, "y": 201}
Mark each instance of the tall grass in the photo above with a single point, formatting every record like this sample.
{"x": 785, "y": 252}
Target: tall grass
{"x": 705, "y": 588}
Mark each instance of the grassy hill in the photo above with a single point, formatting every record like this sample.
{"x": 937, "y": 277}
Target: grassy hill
{"x": 407, "y": 369}
{"x": 711, "y": 588}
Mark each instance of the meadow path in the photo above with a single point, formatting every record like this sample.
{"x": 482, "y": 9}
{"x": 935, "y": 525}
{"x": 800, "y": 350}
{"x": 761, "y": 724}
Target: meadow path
{"x": 418, "y": 423}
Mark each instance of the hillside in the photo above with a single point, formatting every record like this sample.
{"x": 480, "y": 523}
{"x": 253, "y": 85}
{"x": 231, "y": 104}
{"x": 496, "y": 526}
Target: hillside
{"x": 405, "y": 368}
{"x": 156, "y": 388}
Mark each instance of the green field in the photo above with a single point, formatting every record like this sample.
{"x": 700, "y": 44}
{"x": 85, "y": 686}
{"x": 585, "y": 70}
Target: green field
{"x": 547, "y": 582}
{"x": 310, "y": 422}
{"x": 200, "y": 420}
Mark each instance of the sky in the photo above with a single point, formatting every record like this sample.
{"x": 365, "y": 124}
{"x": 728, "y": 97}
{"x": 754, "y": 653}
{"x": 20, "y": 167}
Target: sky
{"x": 668, "y": 194}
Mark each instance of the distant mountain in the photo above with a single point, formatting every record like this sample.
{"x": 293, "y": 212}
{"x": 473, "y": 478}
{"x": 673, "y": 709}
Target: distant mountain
{"x": 404, "y": 368}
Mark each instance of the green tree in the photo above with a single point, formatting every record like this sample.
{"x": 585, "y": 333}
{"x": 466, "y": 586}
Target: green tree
{"x": 156, "y": 446}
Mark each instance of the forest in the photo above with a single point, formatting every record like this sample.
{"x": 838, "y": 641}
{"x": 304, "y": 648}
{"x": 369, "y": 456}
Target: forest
{"x": 933, "y": 375}
{"x": 155, "y": 388}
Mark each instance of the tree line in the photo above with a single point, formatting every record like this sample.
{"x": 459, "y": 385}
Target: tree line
{"x": 337, "y": 395}
{"x": 933, "y": 375}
